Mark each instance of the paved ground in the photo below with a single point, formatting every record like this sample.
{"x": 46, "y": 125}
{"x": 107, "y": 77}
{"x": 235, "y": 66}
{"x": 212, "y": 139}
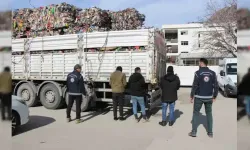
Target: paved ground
{"x": 48, "y": 130}
{"x": 243, "y": 133}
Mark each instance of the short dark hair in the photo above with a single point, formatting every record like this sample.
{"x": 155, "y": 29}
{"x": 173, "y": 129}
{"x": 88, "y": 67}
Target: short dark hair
{"x": 7, "y": 69}
{"x": 204, "y": 60}
{"x": 137, "y": 69}
{"x": 119, "y": 68}
{"x": 77, "y": 66}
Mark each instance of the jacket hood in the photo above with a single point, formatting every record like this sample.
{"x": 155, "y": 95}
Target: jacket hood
{"x": 170, "y": 77}
{"x": 136, "y": 77}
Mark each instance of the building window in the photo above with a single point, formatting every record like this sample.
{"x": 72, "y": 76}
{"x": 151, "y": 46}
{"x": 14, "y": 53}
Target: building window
{"x": 184, "y": 42}
{"x": 184, "y": 32}
{"x": 195, "y": 62}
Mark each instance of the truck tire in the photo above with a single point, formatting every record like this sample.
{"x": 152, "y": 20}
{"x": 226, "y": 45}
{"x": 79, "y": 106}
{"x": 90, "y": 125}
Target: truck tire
{"x": 27, "y": 93}
{"x": 50, "y": 97}
{"x": 84, "y": 106}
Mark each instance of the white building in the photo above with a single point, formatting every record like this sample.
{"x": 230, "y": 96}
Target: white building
{"x": 184, "y": 44}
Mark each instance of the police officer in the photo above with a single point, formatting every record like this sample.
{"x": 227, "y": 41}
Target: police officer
{"x": 204, "y": 91}
{"x": 75, "y": 89}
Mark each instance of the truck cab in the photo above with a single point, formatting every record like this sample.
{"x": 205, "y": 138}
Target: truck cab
{"x": 227, "y": 77}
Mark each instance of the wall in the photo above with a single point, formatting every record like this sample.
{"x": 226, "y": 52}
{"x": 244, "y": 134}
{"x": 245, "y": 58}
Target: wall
{"x": 5, "y": 60}
{"x": 186, "y": 73}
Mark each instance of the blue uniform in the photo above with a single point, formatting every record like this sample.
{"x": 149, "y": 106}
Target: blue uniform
{"x": 75, "y": 84}
{"x": 205, "y": 85}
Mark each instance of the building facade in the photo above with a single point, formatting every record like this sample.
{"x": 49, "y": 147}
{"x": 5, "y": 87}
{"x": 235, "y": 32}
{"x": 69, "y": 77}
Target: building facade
{"x": 185, "y": 44}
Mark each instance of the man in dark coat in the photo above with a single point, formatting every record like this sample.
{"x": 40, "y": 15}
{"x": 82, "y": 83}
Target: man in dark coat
{"x": 75, "y": 89}
{"x": 244, "y": 89}
{"x": 137, "y": 89}
{"x": 170, "y": 84}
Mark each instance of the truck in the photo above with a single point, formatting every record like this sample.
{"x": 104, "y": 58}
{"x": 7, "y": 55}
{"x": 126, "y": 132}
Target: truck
{"x": 40, "y": 65}
{"x": 227, "y": 77}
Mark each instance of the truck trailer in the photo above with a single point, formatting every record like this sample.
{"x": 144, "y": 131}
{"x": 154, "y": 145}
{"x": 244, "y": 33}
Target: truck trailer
{"x": 40, "y": 65}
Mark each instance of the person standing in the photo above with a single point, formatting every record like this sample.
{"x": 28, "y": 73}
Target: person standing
{"x": 170, "y": 84}
{"x": 204, "y": 91}
{"x": 243, "y": 89}
{"x": 5, "y": 93}
{"x": 137, "y": 89}
{"x": 118, "y": 83}
{"x": 75, "y": 89}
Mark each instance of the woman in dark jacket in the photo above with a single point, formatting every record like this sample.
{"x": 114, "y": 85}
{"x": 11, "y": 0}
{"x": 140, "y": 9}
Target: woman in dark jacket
{"x": 170, "y": 84}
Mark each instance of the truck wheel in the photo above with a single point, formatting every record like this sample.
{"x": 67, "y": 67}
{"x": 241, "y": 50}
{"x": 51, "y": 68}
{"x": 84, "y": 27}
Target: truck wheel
{"x": 50, "y": 97}
{"x": 84, "y": 106}
{"x": 27, "y": 93}
{"x": 225, "y": 93}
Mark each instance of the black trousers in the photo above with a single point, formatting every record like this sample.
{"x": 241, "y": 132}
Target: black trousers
{"x": 118, "y": 99}
{"x": 6, "y": 106}
{"x": 78, "y": 100}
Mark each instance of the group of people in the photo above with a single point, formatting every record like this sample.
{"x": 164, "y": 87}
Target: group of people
{"x": 204, "y": 91}
{"x": 5, "y": 93}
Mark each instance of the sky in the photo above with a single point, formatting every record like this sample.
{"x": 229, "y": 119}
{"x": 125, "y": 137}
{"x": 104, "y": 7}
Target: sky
{"x": 157, "y": 12}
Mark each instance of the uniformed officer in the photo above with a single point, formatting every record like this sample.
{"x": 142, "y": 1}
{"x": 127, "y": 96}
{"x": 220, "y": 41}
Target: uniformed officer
{"x": 75, "y": 89}
{"x": 204, "y": 91}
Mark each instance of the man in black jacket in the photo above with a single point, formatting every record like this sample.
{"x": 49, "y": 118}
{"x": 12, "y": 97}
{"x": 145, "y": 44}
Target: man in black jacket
{"x": 170, "y": 84}
{"x": 244, "y": 90}
{"x": 204, "y": 91}
{"x": 137, "y": 89}
{"x": 76, "y": 88}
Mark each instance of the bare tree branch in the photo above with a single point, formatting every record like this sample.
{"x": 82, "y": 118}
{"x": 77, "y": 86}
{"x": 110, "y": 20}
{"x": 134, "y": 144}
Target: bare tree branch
{"x": 220, "y": 22}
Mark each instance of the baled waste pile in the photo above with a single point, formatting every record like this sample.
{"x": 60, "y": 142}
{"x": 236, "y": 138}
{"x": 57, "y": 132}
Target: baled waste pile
{"x": 67, "y": 19}
{"x": 43, "y": 20}
{"x": 94, "y": 18}
{"x": 127, "y": 19}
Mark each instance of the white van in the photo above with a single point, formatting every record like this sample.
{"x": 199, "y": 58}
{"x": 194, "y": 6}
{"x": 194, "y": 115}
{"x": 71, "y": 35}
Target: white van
{"x": 227, "y": 78}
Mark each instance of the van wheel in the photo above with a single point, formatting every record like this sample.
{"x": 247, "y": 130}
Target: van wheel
{"x": 27, "y": 93}
{"x": 84, "y": 106}
{"x": 50, "y": 97}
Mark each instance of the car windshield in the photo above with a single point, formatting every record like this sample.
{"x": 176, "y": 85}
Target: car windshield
{"x": 232, "y": 69}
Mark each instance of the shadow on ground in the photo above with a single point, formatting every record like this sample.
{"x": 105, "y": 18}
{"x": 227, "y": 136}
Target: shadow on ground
{"x": 34, "y": 123}
{"x": 202, "y": 120}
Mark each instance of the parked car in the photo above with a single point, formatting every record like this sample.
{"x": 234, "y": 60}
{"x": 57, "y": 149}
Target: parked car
{"x": 20, "y": 113}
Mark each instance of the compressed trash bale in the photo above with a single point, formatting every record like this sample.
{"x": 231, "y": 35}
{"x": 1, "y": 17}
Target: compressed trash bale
{"x": 128, "y": 19}
{"x": 94, "y": 18}
{"x": 45, "y": 18}
{"x": 64, "y": 18}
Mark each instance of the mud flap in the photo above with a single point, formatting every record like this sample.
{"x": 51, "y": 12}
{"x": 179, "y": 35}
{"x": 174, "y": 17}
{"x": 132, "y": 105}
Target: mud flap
{"x": 154, "y": 99}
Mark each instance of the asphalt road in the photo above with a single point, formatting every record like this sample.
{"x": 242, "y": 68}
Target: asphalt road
{"x": 48, "y": 130}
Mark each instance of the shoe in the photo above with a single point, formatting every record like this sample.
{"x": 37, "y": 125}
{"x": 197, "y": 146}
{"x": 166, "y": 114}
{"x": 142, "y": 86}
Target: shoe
{"x": 136, "y": 119}
{"x": 69, "y": 119}
{"x": 78, "y": 121}
{"x": 163, "y": 123}
{"x": 145, "y": 120}
{"x": 210, "y": 135}
{"x": 115, "y": 118}
{"x": 171, "y": 123}
{"x": 122, "y": 118}
{"x": 192, "y": 134}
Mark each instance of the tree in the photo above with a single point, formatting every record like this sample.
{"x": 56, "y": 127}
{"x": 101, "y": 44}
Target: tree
{"x": 220, "y": 22}
{"x": 243, "y": 18}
